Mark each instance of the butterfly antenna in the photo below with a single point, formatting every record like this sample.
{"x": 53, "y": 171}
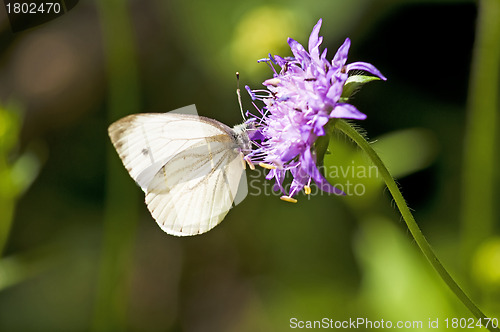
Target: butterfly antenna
{"x": 239, "y": 94}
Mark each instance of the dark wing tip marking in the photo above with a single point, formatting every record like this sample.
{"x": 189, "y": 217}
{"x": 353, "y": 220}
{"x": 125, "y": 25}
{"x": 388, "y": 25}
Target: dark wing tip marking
{"x": 118, "y": 145}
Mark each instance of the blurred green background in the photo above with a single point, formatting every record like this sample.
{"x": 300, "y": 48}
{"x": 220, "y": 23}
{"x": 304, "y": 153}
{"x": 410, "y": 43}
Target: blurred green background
{"x": 79, "y": 250}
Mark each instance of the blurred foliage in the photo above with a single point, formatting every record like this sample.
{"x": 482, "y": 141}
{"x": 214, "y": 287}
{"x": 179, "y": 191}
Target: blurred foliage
{"x": 478, "y": 212}
{"x": 269, "y": 261}
{"x": 403, "y": 152}
{"x": 394, "y": 273}
{"x": 17, "y": 172}
{"x": 486, "y": 271}
{"x": 120, "y": 211}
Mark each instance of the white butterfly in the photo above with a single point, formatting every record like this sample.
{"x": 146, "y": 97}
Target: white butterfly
{"x": 191, "y": 168}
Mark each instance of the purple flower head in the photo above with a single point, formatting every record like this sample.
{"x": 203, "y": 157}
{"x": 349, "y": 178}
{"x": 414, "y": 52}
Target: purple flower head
{"x": 300, "y": 99}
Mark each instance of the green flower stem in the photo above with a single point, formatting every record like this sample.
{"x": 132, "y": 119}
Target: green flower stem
{"x": 424, "y": 246}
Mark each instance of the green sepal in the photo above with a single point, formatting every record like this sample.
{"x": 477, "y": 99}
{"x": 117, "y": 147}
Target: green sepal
{"x": 322, "y": 142}
{"x": 353, "y": 84}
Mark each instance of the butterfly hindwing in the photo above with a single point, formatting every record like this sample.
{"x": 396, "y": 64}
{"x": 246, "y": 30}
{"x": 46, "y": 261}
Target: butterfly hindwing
{"x": 191, "y": 194}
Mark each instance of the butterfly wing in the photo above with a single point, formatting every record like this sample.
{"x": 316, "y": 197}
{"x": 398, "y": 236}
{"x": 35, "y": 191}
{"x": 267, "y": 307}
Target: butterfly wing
{"x": 188, "y": 166}
{"x": 149, "y": 140}
{"x": 191, "y": 194}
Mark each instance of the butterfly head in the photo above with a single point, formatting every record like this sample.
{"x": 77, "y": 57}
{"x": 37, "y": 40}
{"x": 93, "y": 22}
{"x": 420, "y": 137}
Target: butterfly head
{"x": 244, "y": 134}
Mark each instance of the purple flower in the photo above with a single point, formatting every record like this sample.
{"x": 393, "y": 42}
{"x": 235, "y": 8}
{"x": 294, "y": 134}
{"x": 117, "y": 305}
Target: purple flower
{"x": 299, "y": 101}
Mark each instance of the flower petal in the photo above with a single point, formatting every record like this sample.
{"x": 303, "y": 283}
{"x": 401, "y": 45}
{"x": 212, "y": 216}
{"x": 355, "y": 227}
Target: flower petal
{"x": 298, "y": 50}
{"x": 319, "y": 124}
{"x": 366, "y": 67}
{"x": 315, "y": 41}
{"x": 308, "y": 162}
{"x": 335, "y": 91}
{"x": 347, "y": 111}
{"x": 340, "y": 57}
{"x": 300, "y": 179}
{"x": 323, "y": 55}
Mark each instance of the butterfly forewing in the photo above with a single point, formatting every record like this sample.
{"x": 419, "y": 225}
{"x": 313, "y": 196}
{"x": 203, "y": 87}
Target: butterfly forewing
{"x": 146, "y": 140}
